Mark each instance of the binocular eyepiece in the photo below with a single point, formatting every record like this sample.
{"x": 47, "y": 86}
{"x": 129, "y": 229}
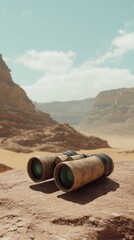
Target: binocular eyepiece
{"x": 69, "y": 169}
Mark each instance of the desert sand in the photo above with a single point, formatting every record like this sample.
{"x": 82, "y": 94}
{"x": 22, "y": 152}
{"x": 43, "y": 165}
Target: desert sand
{"x": 19, "y": 160}
{"x": 102, "y": 210}
{"x": 122, "y": 148}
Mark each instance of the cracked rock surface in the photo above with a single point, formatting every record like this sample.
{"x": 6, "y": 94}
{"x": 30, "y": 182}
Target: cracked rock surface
{"x": 102, "y": 210}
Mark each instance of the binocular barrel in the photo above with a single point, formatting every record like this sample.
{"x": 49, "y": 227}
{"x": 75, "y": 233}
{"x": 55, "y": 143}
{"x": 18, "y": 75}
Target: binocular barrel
{"x": 41, "y": 168}
{"x": 63, "y": 158}
{"x": 71, "y": 175}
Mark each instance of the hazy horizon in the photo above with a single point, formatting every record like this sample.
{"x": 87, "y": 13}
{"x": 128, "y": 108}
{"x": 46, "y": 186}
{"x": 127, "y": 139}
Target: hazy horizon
{"x": 81, "y": 99}
{"x": 68, "y": 50}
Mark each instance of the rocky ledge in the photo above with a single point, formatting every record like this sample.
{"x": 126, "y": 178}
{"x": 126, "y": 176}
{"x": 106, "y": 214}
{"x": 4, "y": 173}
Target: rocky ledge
{"x": 52, "y": 138}
{"x": 101, "y": 210}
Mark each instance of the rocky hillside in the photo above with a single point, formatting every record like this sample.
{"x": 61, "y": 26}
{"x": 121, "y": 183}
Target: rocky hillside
{"x": 112, "y": 112}
{"x": 70, "y": 112}
{"x": 23, "y": 128}
{"x": 11, "y": 95}
{"x": 16, "y": 110}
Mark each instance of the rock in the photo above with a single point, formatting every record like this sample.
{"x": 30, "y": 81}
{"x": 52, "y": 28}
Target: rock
{"x": 4, "y": 168}
{"x": 112, "y": 112}
{"x": 25, "y": 129}
{"x": 55, "y": 138}
{"x": 124, "y": 96}
{"x": 70, "y": 112}
{"x": 16, "y": 110}
{"x": 11, "y": 95}
{"x": 100, "y": 210}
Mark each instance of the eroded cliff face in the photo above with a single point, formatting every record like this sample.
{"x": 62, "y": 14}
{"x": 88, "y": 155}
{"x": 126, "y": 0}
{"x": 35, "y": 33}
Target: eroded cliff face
{"x": 123, "y": 96}
{"x": 23, "y": 128}
{"x": 113, "y": 110}
{"x": 16, "y": 110}
{"x": 67, "y": 112}
{"x": 11, "y": 95}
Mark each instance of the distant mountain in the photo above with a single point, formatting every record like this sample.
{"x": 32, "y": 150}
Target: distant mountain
{"x": 70, "y": 112}
{"x": 112, "y": 112}
{"x": 23, "y": 128}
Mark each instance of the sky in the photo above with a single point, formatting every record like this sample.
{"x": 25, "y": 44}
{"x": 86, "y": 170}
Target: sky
{"x": 62, "y": 50}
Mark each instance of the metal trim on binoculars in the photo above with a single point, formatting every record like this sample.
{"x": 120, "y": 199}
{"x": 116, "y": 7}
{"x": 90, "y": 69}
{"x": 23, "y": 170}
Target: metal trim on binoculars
{"x": 41, "y": 168}
{"x": 71, "y": 175}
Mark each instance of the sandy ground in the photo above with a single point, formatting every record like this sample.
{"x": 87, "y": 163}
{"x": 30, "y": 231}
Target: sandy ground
{"x": 102, "y": 210}
{"x": 19, "y": 160}
{"x": 122, "y": 149}
{"x": 125, "y": 143}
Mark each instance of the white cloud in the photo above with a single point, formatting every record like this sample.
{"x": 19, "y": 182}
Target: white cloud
{"x": 4, "y": 10}
{"x": 78, "y": 83}
{"x": 47, "y": 61}
{"x": 122, "y": 31}
{"x": 129, "y": 25}
{"x": 26, "y": 13}
{"x": 119, "y": 46}
{"x": 125, "y": 42}
{"x": 62, "y": 80}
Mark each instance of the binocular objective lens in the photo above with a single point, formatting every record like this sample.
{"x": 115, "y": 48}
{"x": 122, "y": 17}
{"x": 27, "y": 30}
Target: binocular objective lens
{"x": 37, "y": 169}
{"x": 66, "y": 177}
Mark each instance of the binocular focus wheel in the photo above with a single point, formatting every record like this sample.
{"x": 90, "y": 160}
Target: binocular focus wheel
{"x": 69, "y": 152}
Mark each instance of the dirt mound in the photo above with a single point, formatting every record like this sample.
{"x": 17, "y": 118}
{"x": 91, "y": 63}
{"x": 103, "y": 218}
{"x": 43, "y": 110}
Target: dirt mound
{"x": 102, "y": 210}
{"x": 4, "y": 168}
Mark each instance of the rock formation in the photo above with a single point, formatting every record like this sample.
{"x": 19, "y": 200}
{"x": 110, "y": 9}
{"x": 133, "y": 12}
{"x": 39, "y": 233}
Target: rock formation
{"x": 16, "y": 110}
{"x": 4, "y": 168}
{"x": 112, "y": 111}
{"x": 70, "y": 112}
{"x": 55, "y": 138}
{"x": 23, "y": 128}
{"x": 11, "y": 95}
{"x": 101, "y": 210}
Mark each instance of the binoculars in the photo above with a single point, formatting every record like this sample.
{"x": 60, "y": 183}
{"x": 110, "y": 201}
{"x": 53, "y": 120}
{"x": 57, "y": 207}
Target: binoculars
{"x": 69, "y": 169}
